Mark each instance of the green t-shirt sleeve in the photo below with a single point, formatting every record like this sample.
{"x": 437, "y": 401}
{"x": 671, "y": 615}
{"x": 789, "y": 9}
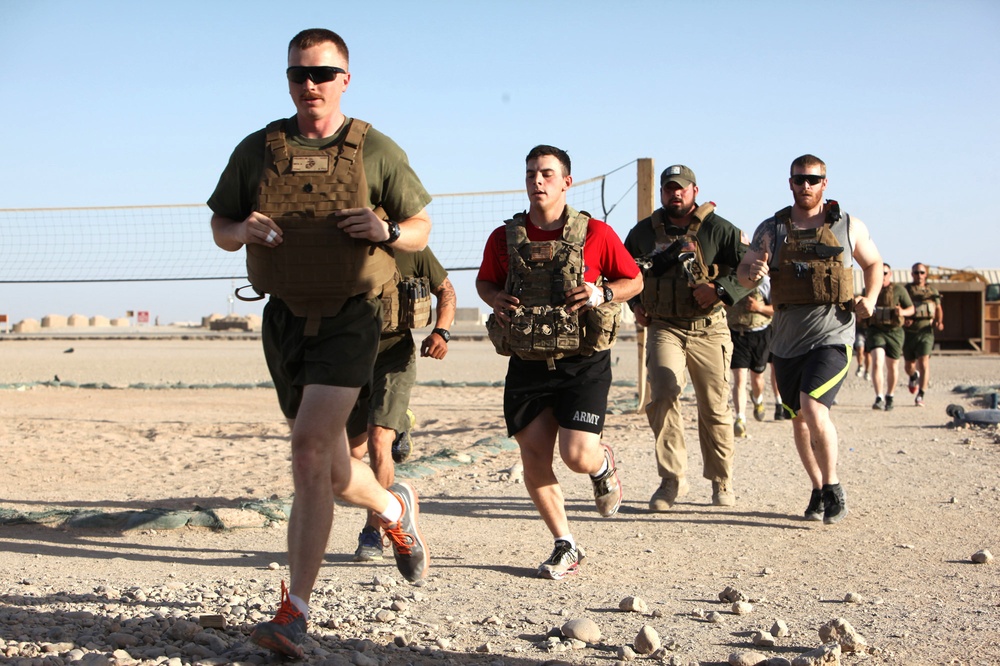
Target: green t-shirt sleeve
{"x": 422, "y": 264}
{"x": 235, "y": 195}
{"x": 903, "y": 296}
{"x": 392, "y": 183}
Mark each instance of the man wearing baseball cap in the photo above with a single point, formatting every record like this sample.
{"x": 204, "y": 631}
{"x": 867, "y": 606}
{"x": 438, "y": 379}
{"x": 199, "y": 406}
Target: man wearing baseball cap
{"x": 690, "y": 256}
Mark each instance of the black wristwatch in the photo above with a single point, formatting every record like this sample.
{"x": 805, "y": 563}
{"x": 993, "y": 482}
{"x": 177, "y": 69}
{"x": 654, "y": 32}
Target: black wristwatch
{"x": 393, "y": 232}
{"x": 608, "y": 294}
{"x": 720, "y": 291}
{"x": 444, "y": 333}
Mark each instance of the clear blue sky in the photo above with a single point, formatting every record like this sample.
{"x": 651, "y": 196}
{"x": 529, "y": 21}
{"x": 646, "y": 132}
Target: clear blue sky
{"x": 122, "y": 103}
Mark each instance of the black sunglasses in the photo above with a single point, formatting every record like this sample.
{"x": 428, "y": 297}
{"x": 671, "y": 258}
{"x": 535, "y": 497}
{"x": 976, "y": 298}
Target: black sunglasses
{"x": 920, "y": 272}
{"x": 299, "y": 74}
{"x": 811, "y": 178}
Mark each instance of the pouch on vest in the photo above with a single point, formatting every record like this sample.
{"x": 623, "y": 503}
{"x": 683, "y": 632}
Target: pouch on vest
{"x": 407, "y": 306}
{"x": 924, "y": 306}
{"x": 886, "y": 313}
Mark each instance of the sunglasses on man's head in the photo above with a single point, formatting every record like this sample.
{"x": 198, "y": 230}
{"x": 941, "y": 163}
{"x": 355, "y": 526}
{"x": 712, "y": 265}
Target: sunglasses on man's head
{"x": 811, "y": 178}
{"x": 299, "y": 74}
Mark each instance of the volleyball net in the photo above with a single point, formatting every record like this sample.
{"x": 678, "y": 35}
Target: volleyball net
{"x": 173, "y": 242}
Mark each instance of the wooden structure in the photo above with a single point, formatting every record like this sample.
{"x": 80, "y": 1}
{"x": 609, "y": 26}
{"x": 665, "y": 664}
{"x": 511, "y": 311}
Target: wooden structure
{"x": 645, "y": 205}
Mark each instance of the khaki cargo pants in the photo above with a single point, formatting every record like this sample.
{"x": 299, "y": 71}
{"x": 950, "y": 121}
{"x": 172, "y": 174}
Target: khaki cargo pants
{"x": 705, "y": 353}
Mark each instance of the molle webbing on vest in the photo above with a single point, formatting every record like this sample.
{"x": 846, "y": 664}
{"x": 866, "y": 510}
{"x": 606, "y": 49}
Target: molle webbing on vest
{"x": 810, "y": 269}
{"x": 886, "y": 313}
{"x": 671, "y": 295}
{"x": 924, "y": 305}
{"x": 317, "y": 267}
{"x": 539, "y": 275}
{"x": 740, "y": 318}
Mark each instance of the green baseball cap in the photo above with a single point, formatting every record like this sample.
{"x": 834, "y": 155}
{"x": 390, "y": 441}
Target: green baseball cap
{"x": 679, "y": 174}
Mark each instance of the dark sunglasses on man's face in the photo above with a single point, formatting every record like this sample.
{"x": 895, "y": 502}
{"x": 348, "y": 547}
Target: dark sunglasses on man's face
{"x": 811, "y": 178}
{"x": 920, "y": 272}
{"x": 299, "y": 74}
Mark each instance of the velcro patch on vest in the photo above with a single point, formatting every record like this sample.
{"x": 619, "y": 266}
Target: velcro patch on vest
{"x": 311, "y": 164}
{"x": 540, "y": 252}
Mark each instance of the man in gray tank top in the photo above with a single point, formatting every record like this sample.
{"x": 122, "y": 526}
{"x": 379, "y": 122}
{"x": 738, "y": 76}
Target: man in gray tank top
{"x": 812, "y": 340}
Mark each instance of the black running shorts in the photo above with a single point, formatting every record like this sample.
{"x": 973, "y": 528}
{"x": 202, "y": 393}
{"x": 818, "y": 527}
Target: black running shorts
{"x": 576, "y": 391}
{"x": 340, "y": 354}
{"x": 819, "y": 373}
{"x": 751, "y": 349}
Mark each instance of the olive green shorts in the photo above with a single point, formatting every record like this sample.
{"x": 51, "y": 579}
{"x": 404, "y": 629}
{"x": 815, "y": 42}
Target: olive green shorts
{"x": 384, "y": 400}
{"x": 919, "y": 342}
{"x": 340, "y": 354}
{"x": 890, "y": 339}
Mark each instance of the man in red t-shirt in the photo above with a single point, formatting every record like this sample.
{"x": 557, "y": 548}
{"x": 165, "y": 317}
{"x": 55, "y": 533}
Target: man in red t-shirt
{"x": 570, "y": 275}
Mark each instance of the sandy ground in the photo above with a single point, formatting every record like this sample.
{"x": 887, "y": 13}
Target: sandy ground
{"x": 923, "y": 498}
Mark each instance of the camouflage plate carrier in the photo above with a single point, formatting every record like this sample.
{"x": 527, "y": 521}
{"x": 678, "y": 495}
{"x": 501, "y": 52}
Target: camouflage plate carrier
{"x": 740, "y": 318}
{"x": 886, "y": 315}
{"x": 317, "y": 267}
{"x": 539, "y": 274}
{"x": 810, "y": 269}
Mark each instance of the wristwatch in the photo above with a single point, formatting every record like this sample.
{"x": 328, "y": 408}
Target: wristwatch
{"x": 720, "y": 291}
{"x": 444, "y": 333}
{"x": 608, "y": 294}
{"x": 393, "y": 232}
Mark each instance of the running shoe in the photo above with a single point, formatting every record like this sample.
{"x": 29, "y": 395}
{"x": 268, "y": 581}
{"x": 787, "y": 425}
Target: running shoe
{"x": 283, "y": 634}
{"x": 758, "y": 410}
{"x": 402, "y": 447}
{"x": 607, "y": 489}
{"x": 878, "y": 404}
{"x": 369, "y": 545}
{"x": 739, "y": 428}
{"x": 779, "y": 413}
{"x": 914, "y": 384}
{"x": 564, "y": 560}
{"x": 834, "y": 503}
{"x": 888, "y": 403}
{"x": 919, "y": 400}
{"x": 412, "y": 557}
{"x": 814, "y": 511}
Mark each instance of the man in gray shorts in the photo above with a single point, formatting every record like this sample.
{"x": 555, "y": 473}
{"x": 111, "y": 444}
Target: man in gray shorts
{"x": 300, "y": 196}
{"x": 814, "y": 318}
{"x": 379, "y": 424}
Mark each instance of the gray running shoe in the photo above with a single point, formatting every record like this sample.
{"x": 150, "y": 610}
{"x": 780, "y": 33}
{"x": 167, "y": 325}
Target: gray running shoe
{"x": 283, "y": 634}
{"x": 607, "y": 489}
{"x": 402, "y": 447}
{"x": 369, "y": 545}
{"x": 740, "y": 429}
{"x": 834, "y": 503}
{"x": 758, "y": 410}
{"x": 564, "y": 560}
{"x": 878, "y": 405}
{"x": 412, "y": 557}
{"x": 814, "y": 511}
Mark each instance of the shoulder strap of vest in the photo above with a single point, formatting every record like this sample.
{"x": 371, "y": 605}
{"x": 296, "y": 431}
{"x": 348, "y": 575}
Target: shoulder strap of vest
{"x": 832, "y": 212}
{"x": 575, "y": 229}
{"x": 701, "y": 213}
{"x": 275, "y": 138}
{"x": 349, "y": 147}
{"x": 517, "y": 232}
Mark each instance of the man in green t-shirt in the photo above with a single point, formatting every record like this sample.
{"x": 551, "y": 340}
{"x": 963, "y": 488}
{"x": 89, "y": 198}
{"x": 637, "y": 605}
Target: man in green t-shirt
{"x": 291, "y": 196}
{"x": 380, "y": 421}
{"x": 884, "y": 338}
{"x": 918, "y": 341}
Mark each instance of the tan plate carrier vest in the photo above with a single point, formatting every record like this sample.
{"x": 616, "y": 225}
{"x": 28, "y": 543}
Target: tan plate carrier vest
{"x": 803, "y": 277}
{"x": 924, "y": 305}
{"x": 407, "y": 306}
{"x": 886, "y": 313}
{"x": 539, "y": 274}
{"x": 317, "y": 267}
{"x": 671, "y": 295}
{"x": 740, "y": 318}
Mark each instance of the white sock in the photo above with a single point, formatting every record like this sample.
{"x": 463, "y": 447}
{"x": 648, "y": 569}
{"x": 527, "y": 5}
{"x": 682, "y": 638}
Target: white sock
{"x": 739, "y": 417}
{"x": 393, "y": 511}
{"x": 604, "y": 468}
{"x": 568, "y": 538}
{"x": 300, "y": 604}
